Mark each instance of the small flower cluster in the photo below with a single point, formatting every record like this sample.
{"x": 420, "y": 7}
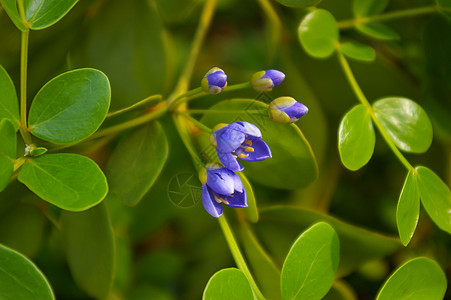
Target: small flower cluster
{"x": 243, "y": 140}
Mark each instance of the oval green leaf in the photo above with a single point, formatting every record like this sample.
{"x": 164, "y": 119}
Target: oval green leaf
{"x": 356, "y": 138}
{"x": 20, "y": 278}
{"x": 10, "y": 7}
{"x": 378, "y": 31}
{"x": 309, "y": 269}
{"x": 137, "y": 162}
{"x": 364, "y": 8}
{"x": 358, "y": 51}
{"x": 292, "y": 165}
{"x": 299, "y": 3}
{"x": 9, "y": 105}
{"x": 405, "y": 122}
{"x": 69, "y": 181}
{"x": 8, "y": 144}
{"x": 408, "y": 209}
{"x": 90, "y": 249}
{"x": 357, "y": 245}
{"x": 70, "y": 107}
{"x": 318, "y": 33}
{"x": 228, "y": 284}
{"x": 44, "y": 13}
{"x": 418, "y": 279}
{"x": 435, "y": 196}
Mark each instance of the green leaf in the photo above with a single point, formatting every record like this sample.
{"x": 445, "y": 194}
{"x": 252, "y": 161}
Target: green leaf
{"x": 378, "y": 31}
{"x": 358, "y": 51}
{"x": 357, "y": 244}
{"x": 356, "y": 138}
{"x": 318, "y": 33}
{"x": 418, "y": 279}
{"x": 9, "y": 104}
{"x": 70, "y": 107}
{"x": 292, "y": 165}
{"x": 408, "y": 209}
{"x": 10, "y": 7}
{"x": 44, "y": 13}
{"x": 266, "y": 272}
{"x": 299, "y": 3}
{"x": 20, "y": 278}
{"x": 228, "y": 284}
{"x": 137, "y": 162}
{"x": 251, "y": 210}
{"x": 69, "y": 181}
{"x": 364, "y": 8}
{"x": 435, "y": 196}
{"x": 8, "y": 144}
{"x": 90, "y": 249}
{"x": 309, "y": 269}
{"x": 405, "y": 122}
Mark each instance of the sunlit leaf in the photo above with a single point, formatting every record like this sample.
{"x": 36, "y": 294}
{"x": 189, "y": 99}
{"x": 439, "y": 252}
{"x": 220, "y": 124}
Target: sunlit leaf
{"x": 309, "y": 269}
{"x": 378, "y": 30}
{"x": 435, "y": 197}
{"x": 69, "y": 181}
{"x": 405, "y": 122}
{"x": 318, "y": 33}
{"x": 20, "y": 278}
{"x": 8, "y": 143}
{"x": 90, "y": 249}
{"x": 9, "y": 104}
{"x": 418, "y": 279}
{"x": 44, "y": 13}
{"x": 228, "y": 284}
{"x": 299, "y": 3}
{"x": 408, "y": 209}
{"x": 292, "y": 165}
{"x": 70, "y": 107}
{"x": 358, "y": 51}
{"x": 356, "y": 138}
{"x": 137, "y": 162}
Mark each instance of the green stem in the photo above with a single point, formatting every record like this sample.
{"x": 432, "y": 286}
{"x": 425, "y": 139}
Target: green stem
{"x": 196, "y": 122}
{"x": 184, "y": 135}
{"x": 238, "y": 257}
{"x": 181, "y": 98}
{"x": 238, "y": 86}
{"x": 361, "y": 96}
{"x": 212, "y": 111}
{"x": 23, "y": 88}
{"x": 147, "y": 100}
{"x": 18, "y": 163}
{"x": 390, "y": 16}
{"x": 204, "y": 23}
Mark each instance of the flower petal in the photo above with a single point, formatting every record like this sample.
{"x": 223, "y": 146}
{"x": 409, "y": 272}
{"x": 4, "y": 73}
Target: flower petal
{"x": 238, "y": 199}
{"x": 220, "y": 180}
{"x": 238, "y": 185}
{"x": 227, "y": 139}
{"x": 261, "y": 151}
{"x": 230, "y": 162}
{"x": 247, "y": 128}
{"x": 295, "y": 111}
{"x": 208, "y": 200}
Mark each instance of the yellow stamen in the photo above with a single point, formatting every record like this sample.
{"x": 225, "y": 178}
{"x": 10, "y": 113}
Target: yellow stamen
{"x": 249, "y": 149}
{"x": 234, "y": 155}
{"x": 219, "y": 200}
{"x": 249, "y": 142}
{"x": 242, "y": 155}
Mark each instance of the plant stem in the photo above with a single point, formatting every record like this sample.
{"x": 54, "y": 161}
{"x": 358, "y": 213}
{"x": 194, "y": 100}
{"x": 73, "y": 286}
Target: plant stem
{"x": 361, "y": 96}
{"x": 137, "y": 104}
{"x": 182, "y": 84}
{"x": 184, "y": 135}
{"x": 390, "y": 16}
{"x": 196, "y": 122}
{"x": 212, "y": 111}
{"x": 238, "y": 257}
{"x": 23, "y": 88}
{"x": 238, "y": 86}
{"x": 18, "y": 163}
{"x": 185, "y": 96}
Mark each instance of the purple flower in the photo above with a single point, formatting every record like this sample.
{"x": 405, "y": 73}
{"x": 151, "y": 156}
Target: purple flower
{"x": 286, "y": 110}
{"x": 214, "y": 81}
{"x": 220, "y": 185}
{"x": 239, "y": 140}
{"x": 265, "y": 81}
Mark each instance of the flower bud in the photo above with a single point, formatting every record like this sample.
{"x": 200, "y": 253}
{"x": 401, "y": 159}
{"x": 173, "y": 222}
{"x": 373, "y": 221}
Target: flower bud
{"x": 203, "y": 176}
{"x": 286, "y": 110}
{"x": 265, "y": 81}
{"x": 214, "y": 81}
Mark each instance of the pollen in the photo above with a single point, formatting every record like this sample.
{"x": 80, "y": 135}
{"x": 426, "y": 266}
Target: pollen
{"x": 242, "y": 155}
{"x": 249, "y": 149}
{"x": 249, "y": 142}
{"x": 219, "y": 200}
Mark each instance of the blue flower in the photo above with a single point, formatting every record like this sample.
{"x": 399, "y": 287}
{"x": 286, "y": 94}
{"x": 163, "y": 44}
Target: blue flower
{"x": 265, "y": 81}
{"x": 214, "y": 81}
{"x": 239, "y": 140}
{"x": 286, "y": 110}
{"x": 220, "y": 185}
